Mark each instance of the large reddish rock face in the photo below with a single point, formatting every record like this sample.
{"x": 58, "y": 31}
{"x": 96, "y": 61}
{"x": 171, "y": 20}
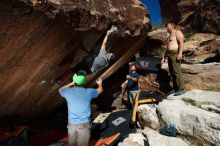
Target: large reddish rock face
{"x": 169, "y": 10}
{"x": 201, "y": 15}
{"x": 130, "y": 16}
{"x": 207, "y": 16}
{"x": 36, "y": 49}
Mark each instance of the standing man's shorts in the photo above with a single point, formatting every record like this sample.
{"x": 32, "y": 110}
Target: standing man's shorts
{"x": 79, "y": 134}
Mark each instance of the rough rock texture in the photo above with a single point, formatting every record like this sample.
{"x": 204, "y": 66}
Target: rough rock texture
{"x": 36, "y": 50}
{"x": 207, "y": 17}
{"x": 158, "y": 34}
{"x": 149, "y": 83}
{"x": 186, "y": 9}
{"x": 156, "y": 139}
{"x": 130, "y": 16}
{"x": 202, "y": 15}
{"x": 190, "y": 119}
{"x": 200, "y": 76}
{"x": 169, "y": 9}
{"x": 203, "y": 48}
{"x": 178, "y": 10}
{"x": 147, "y": 116}
{"x": 127, "y": 142}
{"x": 201, "y": 98}
{"x": 136, "y": 139}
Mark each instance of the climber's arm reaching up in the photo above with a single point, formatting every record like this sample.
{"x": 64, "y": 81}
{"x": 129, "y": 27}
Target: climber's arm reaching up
{"x": 104, "y": 43}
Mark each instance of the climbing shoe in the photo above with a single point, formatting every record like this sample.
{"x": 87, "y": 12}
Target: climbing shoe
{"x": 179, "y": 92}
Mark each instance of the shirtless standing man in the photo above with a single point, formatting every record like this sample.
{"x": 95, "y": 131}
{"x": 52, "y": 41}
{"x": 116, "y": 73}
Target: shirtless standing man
{"x": 175, "y": 45}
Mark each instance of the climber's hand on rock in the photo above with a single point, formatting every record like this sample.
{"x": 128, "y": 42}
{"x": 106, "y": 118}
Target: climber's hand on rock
{"x": 99, "y": 81}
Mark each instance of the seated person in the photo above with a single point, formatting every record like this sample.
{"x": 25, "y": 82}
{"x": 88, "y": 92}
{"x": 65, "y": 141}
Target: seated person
{"x": 131, "y": 83}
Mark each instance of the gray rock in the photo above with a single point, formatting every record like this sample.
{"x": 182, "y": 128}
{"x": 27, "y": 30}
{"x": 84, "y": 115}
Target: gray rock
{"x": 210, "y": 108}
{"x": 127, "y": 142}
{"x": 148, "y": 116}
{"x": 117, "y": 103}
{"x": 200, "y": 76}
{"x": 191, "y": 120}
{"x": 156, "y": 139}
{"x": 207, "y": 100}
{"x": 136, "y": 139}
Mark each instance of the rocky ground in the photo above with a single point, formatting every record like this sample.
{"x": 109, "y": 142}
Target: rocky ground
{"x": 195, "y": 114}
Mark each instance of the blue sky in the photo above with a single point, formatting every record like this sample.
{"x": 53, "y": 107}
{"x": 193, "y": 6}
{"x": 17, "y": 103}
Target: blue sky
{"x": 153, "y": 7}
